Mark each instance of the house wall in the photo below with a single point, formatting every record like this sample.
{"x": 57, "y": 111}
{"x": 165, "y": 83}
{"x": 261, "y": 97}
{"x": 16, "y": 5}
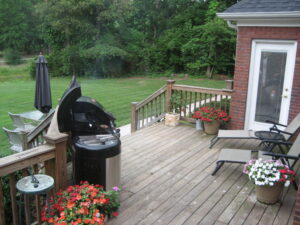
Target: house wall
{"x": 242, "y": 66}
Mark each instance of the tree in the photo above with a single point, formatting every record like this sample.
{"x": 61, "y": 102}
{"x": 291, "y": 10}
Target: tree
{"x": 18, "y": 25}
{"x": 84, "y": 33}
{"x": 212, "y": 45}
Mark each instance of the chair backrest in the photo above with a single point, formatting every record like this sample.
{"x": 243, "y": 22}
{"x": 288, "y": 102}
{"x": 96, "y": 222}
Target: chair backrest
{"x": 293, "y": 126}
{"x": 17, "y": 120}
{"x": 294, "y": 151}
{"x": 15, "y": 139}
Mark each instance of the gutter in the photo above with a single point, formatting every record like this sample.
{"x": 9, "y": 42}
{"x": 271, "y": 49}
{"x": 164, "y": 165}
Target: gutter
{"x": 259, "y": 15}
{"x": 231, "y": 25}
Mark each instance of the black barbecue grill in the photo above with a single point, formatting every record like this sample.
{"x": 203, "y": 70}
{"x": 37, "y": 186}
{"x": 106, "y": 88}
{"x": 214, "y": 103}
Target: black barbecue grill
{"x": 95, "y": 140}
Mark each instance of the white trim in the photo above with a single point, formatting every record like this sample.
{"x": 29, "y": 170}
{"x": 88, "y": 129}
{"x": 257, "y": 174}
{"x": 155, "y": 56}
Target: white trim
{"x": 290, "y": 68}
{"x": 269, "y": 23}
{"x": 269, "y": 19}
{"x": 249, "y": 15}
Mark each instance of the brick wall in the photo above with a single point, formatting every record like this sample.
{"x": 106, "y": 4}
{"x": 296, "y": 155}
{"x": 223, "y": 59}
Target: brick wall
{"x": 241, "y": 73}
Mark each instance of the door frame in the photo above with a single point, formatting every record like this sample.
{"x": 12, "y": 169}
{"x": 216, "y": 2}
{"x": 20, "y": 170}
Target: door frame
{"x": 290, "y": 68}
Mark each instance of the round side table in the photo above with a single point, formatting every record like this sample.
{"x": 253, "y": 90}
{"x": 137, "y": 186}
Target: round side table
{"x": 38, "y": 184}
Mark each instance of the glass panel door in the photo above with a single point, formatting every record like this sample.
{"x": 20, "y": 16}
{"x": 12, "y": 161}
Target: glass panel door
{"x": 270, "y": 83}
{"x": 270, "y": 86}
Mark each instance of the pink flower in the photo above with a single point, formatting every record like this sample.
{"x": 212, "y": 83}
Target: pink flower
{"x": 115, "y": 188}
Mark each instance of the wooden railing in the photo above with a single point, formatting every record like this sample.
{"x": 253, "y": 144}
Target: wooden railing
{"x": 49, "y": 158}
{"x": 36, "y": 136}
{"x": 148, "y": 111}
{"x": 153, "y": 108}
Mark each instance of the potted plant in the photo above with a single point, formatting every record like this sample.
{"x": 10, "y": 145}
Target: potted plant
{"x": 172, "y": 118}
{"x": 211, "y": 118}
{"x": 269, "y": 176}
{"x": 81, "y": 204}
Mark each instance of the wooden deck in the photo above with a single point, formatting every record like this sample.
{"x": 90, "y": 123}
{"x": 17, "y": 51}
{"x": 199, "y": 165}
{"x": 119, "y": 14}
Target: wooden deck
{"x": 166, "y": 179}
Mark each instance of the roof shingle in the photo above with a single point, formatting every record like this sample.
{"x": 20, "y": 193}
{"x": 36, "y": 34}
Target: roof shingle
{"x": 264, "y": 6}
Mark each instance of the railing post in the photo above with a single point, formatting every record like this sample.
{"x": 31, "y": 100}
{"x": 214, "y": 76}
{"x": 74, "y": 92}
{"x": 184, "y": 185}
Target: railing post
{"x": 229, "y": 84}
{"x": 59, "y": 140}
{"x": 134, "y": 117}
{"x": 168, "y": 106}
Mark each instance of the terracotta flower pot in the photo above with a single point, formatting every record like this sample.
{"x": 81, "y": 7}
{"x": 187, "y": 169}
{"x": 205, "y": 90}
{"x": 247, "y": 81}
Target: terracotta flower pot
{"x": 269, "y": 194}
{"x": 211, "y": 127}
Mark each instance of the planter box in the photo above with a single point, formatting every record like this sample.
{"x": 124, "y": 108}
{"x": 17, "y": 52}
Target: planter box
{"x": 171, "y": 119}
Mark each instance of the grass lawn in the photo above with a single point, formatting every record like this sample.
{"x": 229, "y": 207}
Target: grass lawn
{"x": 17, "y": 95}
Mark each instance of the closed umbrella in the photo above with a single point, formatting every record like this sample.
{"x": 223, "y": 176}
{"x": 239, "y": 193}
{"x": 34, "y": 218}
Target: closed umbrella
{"x": 42, "y": 99}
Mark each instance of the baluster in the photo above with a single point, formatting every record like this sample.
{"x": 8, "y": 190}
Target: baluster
{"x": 185, "y": 102}
{"x": 200, "y": 100}
{"x": 26, "y": 202}
{"x": 13, "y": 195}
{"x": 142, "y": 116}
{"x": 210, "y": 100}
{"x": 164, "y": 101}
{"x": 226, "y": 102}
{"x": 195, "y": 101}
{"x": 205, "y": 97}
{"x": 163, "y": 109}
{"x": 190, "y": 102}
{"x": 216, "y": 100}
{"x": 138, "y": 117}
{"x": 159, "y": 105}
{"x": 154, "y": 108}
{"x": 146, "y": 114}
{"x": 2, "y": 212}
{"x": 150, "y": 111}
{"x": 221, "y": 101}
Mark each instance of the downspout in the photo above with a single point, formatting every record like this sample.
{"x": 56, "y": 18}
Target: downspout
{"x": 231, "y": 25}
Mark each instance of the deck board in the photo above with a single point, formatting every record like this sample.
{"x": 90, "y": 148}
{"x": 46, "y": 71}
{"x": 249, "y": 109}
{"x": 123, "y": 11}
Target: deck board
{"x": 166, "y": 179}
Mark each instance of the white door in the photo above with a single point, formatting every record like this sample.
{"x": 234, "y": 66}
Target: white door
{"x": 270, "y": 83}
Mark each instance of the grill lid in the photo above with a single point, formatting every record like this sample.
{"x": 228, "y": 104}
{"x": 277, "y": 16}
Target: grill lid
{"x": 82, "y": 114}
{"x": 64, "y": 114}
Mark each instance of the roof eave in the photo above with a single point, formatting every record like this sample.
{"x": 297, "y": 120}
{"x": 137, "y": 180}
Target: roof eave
{"x": 258, "y": 15}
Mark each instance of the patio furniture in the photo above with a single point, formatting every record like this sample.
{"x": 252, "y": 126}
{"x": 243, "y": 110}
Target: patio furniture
{"x": 15, "y": 139}
{"x": 285, "y": 134}
{"x": 244, "y": 155}
{"x": 35, "y": 116}
{"x": 20, "y": 124}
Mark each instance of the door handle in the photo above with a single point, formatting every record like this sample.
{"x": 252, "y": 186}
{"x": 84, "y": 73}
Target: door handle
{"x": 284, "y": 96}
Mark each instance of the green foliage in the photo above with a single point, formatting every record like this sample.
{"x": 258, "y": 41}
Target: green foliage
{"x": 176, "y": 102}
{"x": 110, "y": 38}
{"x": 12, "y": 56}
{"x": 212, "y": 46}
{"x": 18, "y": 25}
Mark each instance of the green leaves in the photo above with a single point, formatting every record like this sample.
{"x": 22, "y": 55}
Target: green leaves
{"x": 86, "y": 37}
{"x": 103, "y": 51}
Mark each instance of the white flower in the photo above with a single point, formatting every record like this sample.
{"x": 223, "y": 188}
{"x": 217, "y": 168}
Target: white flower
{"x": 287, "y": 183}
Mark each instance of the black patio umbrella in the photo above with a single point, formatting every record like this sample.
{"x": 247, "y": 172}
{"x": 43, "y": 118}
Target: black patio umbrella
{"x": 42, "y": 100}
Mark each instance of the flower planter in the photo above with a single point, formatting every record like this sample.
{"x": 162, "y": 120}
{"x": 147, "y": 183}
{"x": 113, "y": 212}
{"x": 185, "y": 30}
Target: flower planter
{"x": 172, "y": 119}
{"x": 211, "y": 127}
{"x": 269, "y": 194}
